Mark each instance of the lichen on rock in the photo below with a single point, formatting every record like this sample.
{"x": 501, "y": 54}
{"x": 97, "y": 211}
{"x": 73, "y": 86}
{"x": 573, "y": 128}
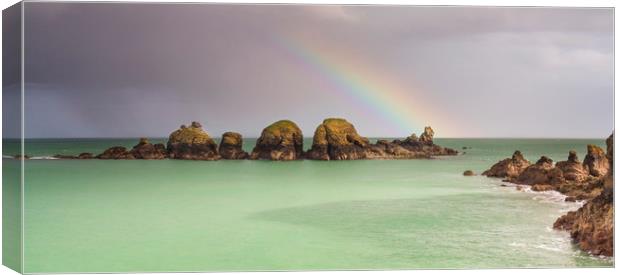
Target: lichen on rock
{"x": 231, "y": 146}
{"x": 192, "y": 143}
{"x": 337, "y": 139}
{"x": 282, "y": 140}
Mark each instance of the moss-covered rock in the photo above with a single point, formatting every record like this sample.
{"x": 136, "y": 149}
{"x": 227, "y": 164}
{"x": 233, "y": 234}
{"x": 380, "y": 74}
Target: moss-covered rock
{"x": 282, "y": 140}
{"x": 231, "y": 146}
{"x": 337, "y": 139}
{"x": 192, "y": 143}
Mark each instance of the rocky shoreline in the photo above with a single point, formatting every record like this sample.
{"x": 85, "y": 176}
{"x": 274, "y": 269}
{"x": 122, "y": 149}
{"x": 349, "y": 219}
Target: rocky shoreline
{"x": 334, "y": 139}
{"x": 591, "y": 226}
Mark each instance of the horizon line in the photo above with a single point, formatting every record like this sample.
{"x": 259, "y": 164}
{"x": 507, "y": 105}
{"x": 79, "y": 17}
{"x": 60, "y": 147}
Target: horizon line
{"x": 375, "y": 137}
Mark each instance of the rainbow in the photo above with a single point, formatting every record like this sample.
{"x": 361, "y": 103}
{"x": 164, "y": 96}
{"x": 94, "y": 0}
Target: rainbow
{"x": 373, "y": 90}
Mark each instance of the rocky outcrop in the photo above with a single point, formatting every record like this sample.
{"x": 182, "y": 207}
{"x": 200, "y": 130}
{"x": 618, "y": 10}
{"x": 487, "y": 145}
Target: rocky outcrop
{"x": 573, "y": 169}
{"x": 508, "y": 168}
{"x": 425, "y": 146}
{"x": 146, "y": 150}
{"x": 337, "y": 139}
{"x": 192, "y": 143}
{"x": 116, "y": 152}
{"x": 427, "y": 136}
{"x": 592, "y": 226}
{"x": 231, "y": 146}
{"x": 595, "y": 161}
{"x": 541, "y": 173}
{"x": 281, "y": 140}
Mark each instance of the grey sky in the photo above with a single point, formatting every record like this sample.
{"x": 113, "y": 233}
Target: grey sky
{"x": 126, "y": 70}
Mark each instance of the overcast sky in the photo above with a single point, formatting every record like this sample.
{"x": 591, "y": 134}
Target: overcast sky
{"x": 128, "y": 70}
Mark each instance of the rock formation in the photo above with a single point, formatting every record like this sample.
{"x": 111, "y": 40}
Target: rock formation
{"x": 541, "y": 173}
{"x": 337, "y": 139}
{"x": 572, "y": 169}
{"x": 595, "y": 161}
{"x": 146, "y": 150}
{"x": 508, "y": 168}
{"x": 116, "y": 152}
{"x": 281, "y": 140}
{"x": 469, "y": 173}
{"x": 427, "y": 136}
{"x": 231, "y": 146}
{"x": 592, "y": 226}
{"x": 425, "y": 146}
{"x": 192, "y": 143}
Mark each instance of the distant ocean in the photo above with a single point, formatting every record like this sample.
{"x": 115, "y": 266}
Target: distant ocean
{"x": 229, "y": 215}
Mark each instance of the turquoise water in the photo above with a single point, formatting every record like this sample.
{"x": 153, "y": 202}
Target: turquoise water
{"x": 173, "y": 215}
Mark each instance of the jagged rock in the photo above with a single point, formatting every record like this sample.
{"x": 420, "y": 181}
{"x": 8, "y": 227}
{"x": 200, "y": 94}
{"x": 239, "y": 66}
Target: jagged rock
{"x": 427, "y": 136}
{"x": 592, "y": 226}
{"x": 146, "y": 150}
{"x": 469, "y": 173}
{"x": 573, "y": 169}
{"x": 116, "y": 152}
{"x": 595, "y": 161}
{"x": 424, "y": 146}
{"x": 192, "y": 143}
{"x": 281, "y": 140}
{"x": 508, "y": 168}
{"x": 541, "y": 173}
{"x": 337, "y": 139}
{"x": 231, "y": 146}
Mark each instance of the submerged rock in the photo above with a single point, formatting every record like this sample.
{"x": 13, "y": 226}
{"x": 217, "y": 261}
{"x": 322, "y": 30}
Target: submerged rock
{"x": 508, "y": 168}
{"x": 85, "y": 156}
{"x": 80, "y": 156}
{"x": 231, "y": 146}
{"x": 146, "y": 150}
{"x": 469, "y": 173}
{"x": 192, "y": 143}
{"x": 281, "y": 140}
{"x": 116, "y": 152}
{"x": 595, "y": 161}
{"x": 337, "y": 139}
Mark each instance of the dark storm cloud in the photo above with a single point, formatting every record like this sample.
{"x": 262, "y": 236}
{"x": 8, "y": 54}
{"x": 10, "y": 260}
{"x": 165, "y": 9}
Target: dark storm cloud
{"x": 102, "y": 69}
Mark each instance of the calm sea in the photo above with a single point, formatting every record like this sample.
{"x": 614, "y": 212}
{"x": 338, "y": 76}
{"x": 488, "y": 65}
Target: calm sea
{"x": 173, "y": 215}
